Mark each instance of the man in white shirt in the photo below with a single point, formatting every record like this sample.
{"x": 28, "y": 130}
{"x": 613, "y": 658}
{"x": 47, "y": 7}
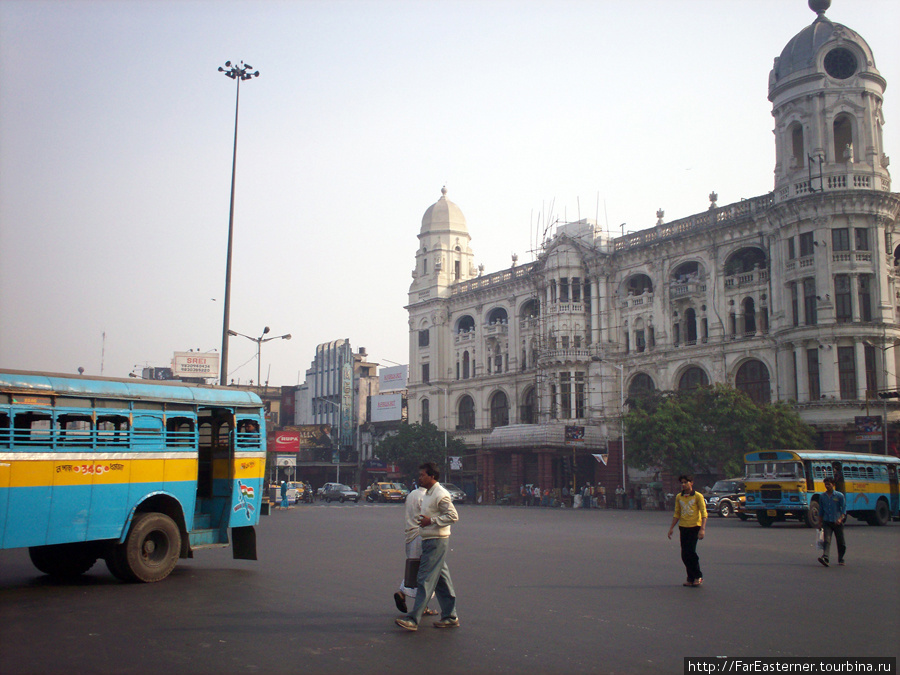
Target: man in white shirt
{"x": 436, "y": 514}
{"x": 413, "y": 550}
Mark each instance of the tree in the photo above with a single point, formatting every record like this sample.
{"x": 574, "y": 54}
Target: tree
{"x": 415, "y": 444}
{"x": 708, "y": 429}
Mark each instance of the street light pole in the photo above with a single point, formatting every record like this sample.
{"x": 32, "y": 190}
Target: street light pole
{"x": 237, "y": 73}
{"x": 262, "y": 338}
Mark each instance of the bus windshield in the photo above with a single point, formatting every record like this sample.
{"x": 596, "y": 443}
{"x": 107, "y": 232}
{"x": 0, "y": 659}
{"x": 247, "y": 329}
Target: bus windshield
{"x": 775, "y": 470}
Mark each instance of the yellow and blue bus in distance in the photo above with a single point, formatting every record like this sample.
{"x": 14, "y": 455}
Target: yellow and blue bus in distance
{"x": 784, "y": 484}
{"x": 138, "y": 473}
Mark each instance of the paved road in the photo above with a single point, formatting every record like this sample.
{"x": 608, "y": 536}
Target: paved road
{"x": 540, "y": 591}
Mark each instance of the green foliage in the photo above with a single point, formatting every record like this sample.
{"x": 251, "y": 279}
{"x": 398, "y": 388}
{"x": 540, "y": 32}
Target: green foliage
{"x": 416, "y": 444}
{"x": 707, "y": 430}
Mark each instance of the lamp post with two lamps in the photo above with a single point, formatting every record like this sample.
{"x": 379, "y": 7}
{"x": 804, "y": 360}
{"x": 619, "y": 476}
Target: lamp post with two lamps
{"x": 262, "y": 338}
{"x": 237, "y": 73}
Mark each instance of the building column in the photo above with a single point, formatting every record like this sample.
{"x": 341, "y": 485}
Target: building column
{"x": 802, "y": 374}
{"x": 860, "y": 357}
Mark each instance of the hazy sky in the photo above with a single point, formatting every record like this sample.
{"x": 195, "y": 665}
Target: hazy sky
{"x": 116, "y": 137}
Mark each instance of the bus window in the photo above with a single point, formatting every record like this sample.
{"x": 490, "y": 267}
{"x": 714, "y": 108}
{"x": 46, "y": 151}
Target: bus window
{"x": 179, "y": 432}
{"x": 248, "y": 433}
{"x": 32, "y": 428}
{"x": 112, "y": 430}
{"x": 74, "y": 429}
{"x": 4, "y": 430}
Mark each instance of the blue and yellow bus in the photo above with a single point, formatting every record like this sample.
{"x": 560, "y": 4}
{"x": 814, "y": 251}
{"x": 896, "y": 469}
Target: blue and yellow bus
{"x": 783, "y": 484}
{"x": 137, "y": 473}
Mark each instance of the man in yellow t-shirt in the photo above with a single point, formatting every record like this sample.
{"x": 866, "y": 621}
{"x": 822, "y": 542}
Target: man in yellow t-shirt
{"x": 690, "y": 516}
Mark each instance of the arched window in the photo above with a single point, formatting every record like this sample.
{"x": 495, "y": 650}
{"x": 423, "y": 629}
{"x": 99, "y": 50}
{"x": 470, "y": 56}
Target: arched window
{"x": 753, "y": 379}
{"x": 528, "y": 411}
{"x": 465, "y": 324}
{"x": 745, "y": 260}
{"x": 466, "y": 412}
{"x": 692, "y": 378}
{"x": 843, "y": 138}
{"x": 639, "y": 284}
{"x": 499, "y": 410}
{"x": 640, "y": 384}
{"x": 497, "y": 315}
{"x": 426, "y": 411}
{"x": 798, "y": 154}
{"x": 530, "y": 310}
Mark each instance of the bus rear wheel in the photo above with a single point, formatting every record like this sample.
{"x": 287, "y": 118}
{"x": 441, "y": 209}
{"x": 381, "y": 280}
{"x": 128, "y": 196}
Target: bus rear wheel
{"x": 64, "y": 560}
{"x": 881, "y": 515}
{"x": 152, "y": 548}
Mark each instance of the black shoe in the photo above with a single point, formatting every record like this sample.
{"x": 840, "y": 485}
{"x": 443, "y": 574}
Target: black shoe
{"x": 400, "y": 601}
{"x": 823, "y": 560}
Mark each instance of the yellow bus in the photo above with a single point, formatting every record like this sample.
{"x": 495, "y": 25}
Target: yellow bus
{"x": 786, "y": 484}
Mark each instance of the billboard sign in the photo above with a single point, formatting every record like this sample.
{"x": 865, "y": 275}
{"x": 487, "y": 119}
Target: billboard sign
{"x": 574, "y": 434}
{"x": 387, "y": 407}
{"x": 347, "y": 404}
{"x": 868, "y": 428}
{"x": 392, "y": 379}
{"x": 195, "y": 364}
{"x": 286, "y": 441}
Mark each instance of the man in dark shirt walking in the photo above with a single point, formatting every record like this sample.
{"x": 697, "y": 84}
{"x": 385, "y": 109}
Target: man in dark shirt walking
{"x": 833, "y": 508}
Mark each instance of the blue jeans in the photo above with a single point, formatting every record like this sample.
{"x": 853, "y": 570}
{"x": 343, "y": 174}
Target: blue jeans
{"x": 434, "y": 577}
{"x": 838, "y": 531}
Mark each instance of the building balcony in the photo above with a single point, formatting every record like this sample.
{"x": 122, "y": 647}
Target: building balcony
{"x": 687, "y": 289}
{"x": 743, "y": 279}
{"x": 644, "y": 299}
{"x": 495, "y": 329}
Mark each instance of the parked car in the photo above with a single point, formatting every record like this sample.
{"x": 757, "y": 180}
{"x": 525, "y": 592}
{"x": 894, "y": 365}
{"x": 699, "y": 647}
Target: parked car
{"x": 343, "y": 493}
{"x": 385, "y": 492}
{"x": 320, "y": 493}
{"x": 726, "y": 498}
{"x": 456, "y": 494}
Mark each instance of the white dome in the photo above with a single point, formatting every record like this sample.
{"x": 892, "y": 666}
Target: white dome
{"x": 443, "y": 216}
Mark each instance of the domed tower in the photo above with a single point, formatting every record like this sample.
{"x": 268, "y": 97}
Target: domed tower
{"x": 826, "y": 99}
{"x": 444, "y": 257}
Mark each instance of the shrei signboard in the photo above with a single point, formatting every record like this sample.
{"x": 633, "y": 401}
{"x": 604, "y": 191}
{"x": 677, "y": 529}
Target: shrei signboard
{"x": 387, "y": 407}
{"x": 195, "y": 364}
{"x": 392, "y": 379}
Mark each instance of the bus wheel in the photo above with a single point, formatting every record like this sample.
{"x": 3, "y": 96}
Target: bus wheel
{"x": 117, "y": 565}
{"x": 152, "y": 547}
{"x": 764, "y": 519}
{"x": 64, "y": 560}
{"x": 813, "y": 517}
{"x": 882, "y": 514}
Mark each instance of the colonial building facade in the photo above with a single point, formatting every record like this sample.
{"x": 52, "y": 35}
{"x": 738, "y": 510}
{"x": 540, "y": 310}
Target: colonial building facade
{"x": 789, "y": 296}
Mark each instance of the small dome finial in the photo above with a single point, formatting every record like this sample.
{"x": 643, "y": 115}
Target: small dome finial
{"x": 819, "y": 6}
{"x": 444, "y": 191}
